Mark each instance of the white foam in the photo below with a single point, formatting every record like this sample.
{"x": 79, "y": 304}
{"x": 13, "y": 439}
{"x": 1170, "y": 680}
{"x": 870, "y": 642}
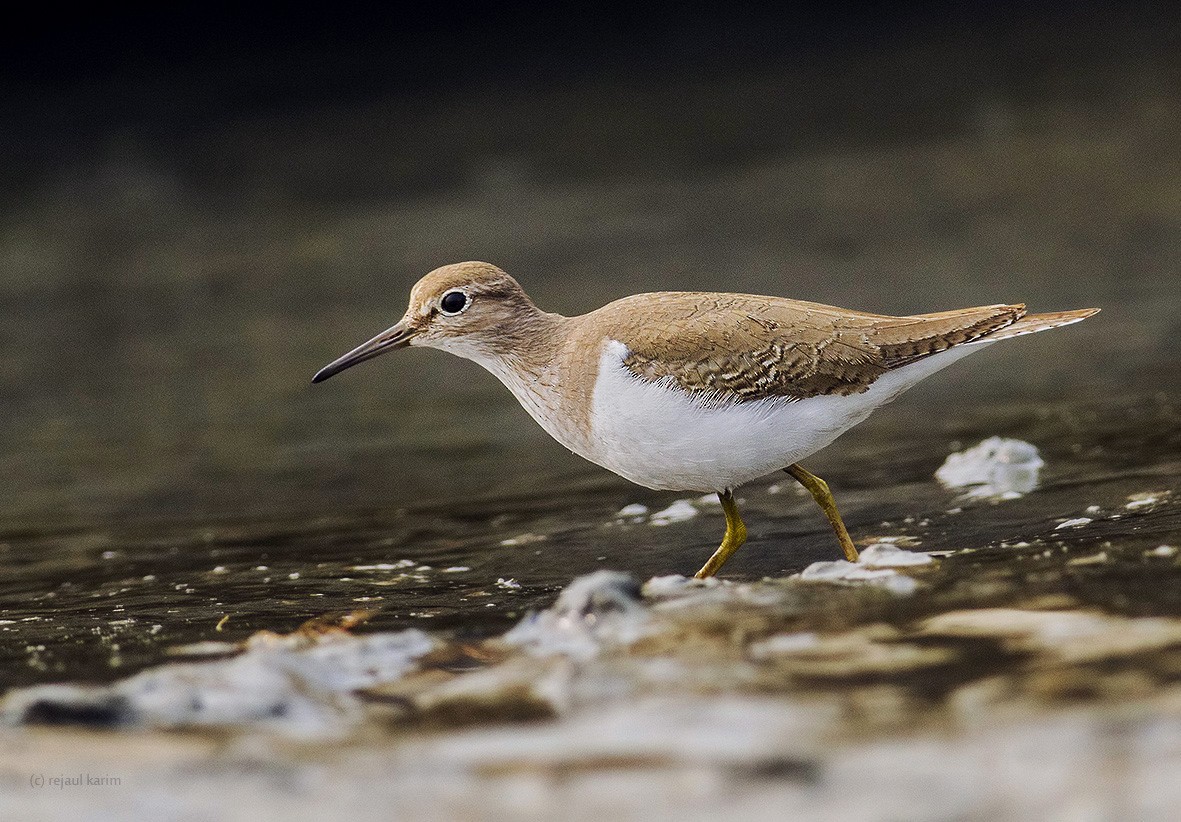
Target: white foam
{"x": 843, "y": 572}
{"x": 887, "y": 555}
{"x": 679, "y": 511}
{"x": 1145, "y": 499}
{"x": 293, "y": 684}
{"x": 633, "y": 510}
{"x": 598, "y": 609}
{"x": 997, "y": 468}
{"x": 676, "y": 585}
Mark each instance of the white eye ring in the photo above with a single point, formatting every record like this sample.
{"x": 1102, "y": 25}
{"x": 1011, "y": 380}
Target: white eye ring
{"x": 467, "y": 301}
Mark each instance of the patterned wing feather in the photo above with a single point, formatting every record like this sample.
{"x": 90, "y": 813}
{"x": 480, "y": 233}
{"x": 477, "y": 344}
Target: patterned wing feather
{"x": 736, "y": 347}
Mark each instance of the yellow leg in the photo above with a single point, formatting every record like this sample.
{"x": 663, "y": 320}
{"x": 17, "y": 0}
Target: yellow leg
{"x": 819, "y": 490}
{"x": 735, "y": 536}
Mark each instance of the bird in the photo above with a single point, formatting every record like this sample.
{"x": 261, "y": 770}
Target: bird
{"x": 693, "y": 391}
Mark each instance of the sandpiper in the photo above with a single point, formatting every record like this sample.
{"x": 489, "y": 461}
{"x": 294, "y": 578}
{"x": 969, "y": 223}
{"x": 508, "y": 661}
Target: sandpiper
{"x": 693, "y": 391}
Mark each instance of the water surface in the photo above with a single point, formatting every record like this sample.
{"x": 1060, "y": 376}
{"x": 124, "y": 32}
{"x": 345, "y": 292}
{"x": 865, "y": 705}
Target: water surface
{"x": 168, "y": 469}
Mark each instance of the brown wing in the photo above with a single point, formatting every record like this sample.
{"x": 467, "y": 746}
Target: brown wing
{"x": 735, "y": 347}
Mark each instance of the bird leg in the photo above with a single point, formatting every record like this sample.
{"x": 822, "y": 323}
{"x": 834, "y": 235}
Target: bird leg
{"x": 818, "y": 488}
{"x": 735, "y": 536}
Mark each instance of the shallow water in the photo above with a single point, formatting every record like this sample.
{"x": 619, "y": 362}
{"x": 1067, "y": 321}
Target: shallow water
{"x": 169, "y": 469}
{"x": 94, "y": 603}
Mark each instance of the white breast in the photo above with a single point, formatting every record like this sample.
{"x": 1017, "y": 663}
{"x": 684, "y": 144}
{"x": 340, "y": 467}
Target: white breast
{"x": 657, "y": 435}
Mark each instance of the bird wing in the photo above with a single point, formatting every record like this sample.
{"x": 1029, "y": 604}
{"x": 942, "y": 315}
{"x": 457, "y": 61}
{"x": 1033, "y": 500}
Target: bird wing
{"x": 736, "y": 347}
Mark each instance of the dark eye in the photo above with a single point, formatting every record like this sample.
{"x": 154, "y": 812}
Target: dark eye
{"x": 453, "y": 302}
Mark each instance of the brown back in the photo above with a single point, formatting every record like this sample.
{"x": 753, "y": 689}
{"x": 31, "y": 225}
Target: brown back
{"x": 735, "y": 347}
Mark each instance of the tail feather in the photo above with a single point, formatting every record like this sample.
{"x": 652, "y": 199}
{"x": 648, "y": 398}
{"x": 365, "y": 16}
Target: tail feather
{"x": 1033, "y": 323}
{"x": 902, "y": 340}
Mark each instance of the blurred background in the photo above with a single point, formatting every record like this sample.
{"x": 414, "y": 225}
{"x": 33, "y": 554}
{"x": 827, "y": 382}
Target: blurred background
{"x": 201, "y": 206}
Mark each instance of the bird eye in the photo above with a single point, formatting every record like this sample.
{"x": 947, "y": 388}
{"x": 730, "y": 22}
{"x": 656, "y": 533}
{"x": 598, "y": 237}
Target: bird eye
{"x": 453, "y": 302}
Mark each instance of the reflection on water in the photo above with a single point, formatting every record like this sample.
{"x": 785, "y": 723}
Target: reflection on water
{"x": 170, "y": 475}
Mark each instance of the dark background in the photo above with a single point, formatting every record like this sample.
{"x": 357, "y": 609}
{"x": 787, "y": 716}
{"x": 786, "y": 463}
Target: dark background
{"x": 417, "y": 43}
{"x": 74, "y": 76}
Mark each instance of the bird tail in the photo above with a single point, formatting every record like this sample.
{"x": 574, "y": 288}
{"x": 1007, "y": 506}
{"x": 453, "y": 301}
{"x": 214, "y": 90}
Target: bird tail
{"x": 1033, "y": 323}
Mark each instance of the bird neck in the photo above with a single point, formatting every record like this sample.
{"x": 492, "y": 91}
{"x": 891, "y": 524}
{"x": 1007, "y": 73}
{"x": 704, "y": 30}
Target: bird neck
{"x": 531, "y": 342}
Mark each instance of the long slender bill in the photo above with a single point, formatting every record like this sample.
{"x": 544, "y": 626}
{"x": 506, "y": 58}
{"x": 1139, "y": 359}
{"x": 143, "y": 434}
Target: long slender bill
{"x": 396, "y": 337}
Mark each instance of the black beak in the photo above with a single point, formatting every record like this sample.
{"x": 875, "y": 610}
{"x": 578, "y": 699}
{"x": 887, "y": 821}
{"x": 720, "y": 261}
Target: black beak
{"x": 396, "y": 337}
